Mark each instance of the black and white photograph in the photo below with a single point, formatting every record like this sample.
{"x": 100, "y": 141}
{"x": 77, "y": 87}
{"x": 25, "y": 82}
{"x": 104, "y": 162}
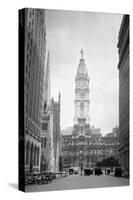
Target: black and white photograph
{"x": 73, "y": 100}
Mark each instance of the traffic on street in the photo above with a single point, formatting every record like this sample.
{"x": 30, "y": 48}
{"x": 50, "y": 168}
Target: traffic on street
{"x": 76, "y": 179}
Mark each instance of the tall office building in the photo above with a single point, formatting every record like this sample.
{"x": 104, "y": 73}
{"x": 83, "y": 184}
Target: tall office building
{"x": 35, "y": 47}
{"x": 123, "y": 66}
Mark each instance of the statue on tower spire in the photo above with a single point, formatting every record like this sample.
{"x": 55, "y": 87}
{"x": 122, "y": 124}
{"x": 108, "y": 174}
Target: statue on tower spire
{"x": 82, "y": 53}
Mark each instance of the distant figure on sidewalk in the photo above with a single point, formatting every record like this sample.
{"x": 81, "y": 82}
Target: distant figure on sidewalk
{"x": 81, "y": 169}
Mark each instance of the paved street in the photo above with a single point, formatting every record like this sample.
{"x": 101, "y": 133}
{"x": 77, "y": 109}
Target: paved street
{"x": 79, "y": 182}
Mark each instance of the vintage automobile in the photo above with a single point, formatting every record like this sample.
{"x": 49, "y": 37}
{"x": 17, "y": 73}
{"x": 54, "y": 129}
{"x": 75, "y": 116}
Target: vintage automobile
{"x": 108, "y": 171}
{"x": 57, "y": 174}
{"x": 98, "y": 171}
{"x": 76, "y": 172}
{"x": 63, "y": 174}
{"x": 88, "y": 172}
{"x": 71, "y": 171}
{"x": 53, "y": 175}
{"x": 29, "y": 179}
{"x": 35, "y": 176}
{"x": 48, "y": 176}
{"x": 39, "y": 179}
{"x": 44, "y": 178}
{"x": 118, "y": 172}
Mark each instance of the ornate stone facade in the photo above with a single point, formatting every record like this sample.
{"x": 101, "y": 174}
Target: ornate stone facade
{"x": 85, "y": 146}
{"x": 55, "y": 109}
{"x": 50, "y": 134}
{"x": 123, "y": 66}
{"x": 35, "y": 48}
{"x": 46, "y": 135}
{"x": 87, "y": 150}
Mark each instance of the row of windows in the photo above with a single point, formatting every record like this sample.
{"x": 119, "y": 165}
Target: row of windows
{"x": 44, "y": 126}
{"x": 35, "y": 57}
{"x": 90, "y": 143}
{"x": 32, "y": 154}
{"x": 92, "y": 140}
{"x": 87, "y": 160}
{"x": 44, "y": 142}
{"x": 90, "y": 152}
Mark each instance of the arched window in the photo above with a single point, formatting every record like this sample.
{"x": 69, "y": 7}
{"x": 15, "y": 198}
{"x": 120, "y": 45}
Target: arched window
{"x": 31, "y": 155}
{"x": 27, "y": 152}
{"x": 45, "y": 142}
{"x": 37, "y": 156}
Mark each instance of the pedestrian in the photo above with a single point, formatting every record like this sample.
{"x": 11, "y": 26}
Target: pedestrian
{"x": 81, "y": 169}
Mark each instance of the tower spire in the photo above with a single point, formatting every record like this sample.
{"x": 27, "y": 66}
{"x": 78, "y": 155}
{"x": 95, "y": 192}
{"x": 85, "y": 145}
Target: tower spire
{"x": 82, "y": 53}
{"x": 82, "y": 92}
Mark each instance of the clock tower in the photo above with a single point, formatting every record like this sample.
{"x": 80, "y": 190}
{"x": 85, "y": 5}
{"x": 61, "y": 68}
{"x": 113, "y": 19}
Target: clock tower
{"x": 82, "y": 93}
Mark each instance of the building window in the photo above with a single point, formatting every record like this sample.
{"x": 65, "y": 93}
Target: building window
{"x": 38, "y": 156}
{"x": 45, "y": 126}
{"x": 45, "y": 142}
{"x": 27, "y": 153}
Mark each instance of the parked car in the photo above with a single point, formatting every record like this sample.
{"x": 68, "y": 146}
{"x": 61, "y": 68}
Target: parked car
{"x": 57, "y": 174}
{"x": 35, "y": 176}
{"x": 53, "y": 175}
{"x": 108, "y": 171}
{"x": 98, "y": 172}
{"x": 71, "y": 171}
{"x": 39, "y": 179}
{"x": 118, "y": 172}
{"x": 63, "y": 174}
{"x": 76, "y": 172}
{"x": 28, "y": 178}
{"x": 88, "y": 172}
{"x": 48, "y": 176}
{"x": 44, "y": 178}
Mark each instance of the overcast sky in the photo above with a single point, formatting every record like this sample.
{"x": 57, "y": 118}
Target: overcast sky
{"x": 97, "y": 34}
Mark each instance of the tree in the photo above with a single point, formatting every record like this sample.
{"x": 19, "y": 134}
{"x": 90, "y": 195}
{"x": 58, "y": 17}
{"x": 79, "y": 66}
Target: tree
{"x": 108, "y": 162}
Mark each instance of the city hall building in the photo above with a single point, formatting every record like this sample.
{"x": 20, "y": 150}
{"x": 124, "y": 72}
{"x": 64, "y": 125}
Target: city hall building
{"x": 85, "y": 146}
